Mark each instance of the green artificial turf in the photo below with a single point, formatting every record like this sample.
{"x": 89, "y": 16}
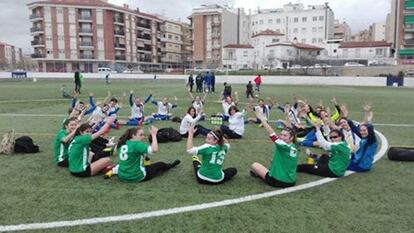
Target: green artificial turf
{"x": 33, "y": 189}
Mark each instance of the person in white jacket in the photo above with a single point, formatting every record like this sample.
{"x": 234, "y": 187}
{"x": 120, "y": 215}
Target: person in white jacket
{"x": 191, "y": 118}
{"x": 235, "y": 129}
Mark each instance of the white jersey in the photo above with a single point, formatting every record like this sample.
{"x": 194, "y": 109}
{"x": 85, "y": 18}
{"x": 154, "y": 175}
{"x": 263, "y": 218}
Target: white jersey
{"x": 236, "y": 122}
{"x": 265, "y": 110}
{"x": 163, "y": 109}
{"x": 187, "y": 121}
{"x": 97, "y": 115}
{"x": 226, "y": 107}
{"x": 198, "y": 106}
{"x": 137, "y": 111}
{"x": 352, "y": 139}
{"x": 113, "y": 109}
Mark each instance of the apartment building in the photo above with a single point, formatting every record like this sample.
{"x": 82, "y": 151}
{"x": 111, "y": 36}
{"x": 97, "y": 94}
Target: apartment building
{"x": 312, "y": 25}
{"x": 10, "y": 56}
{"x": 341, "y": 31}
{"x": 87, "y": 34}
{"x": 214, "y": 26}
{"x": 402, "y": 30}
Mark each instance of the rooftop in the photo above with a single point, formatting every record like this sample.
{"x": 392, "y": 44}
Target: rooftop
{"x": 268, "y": 32}
{"x": 238, "y": 46}
{"x": 364, "y": 44}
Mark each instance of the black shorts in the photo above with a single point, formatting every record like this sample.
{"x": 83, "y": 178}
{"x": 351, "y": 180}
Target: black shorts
{"x": 276, "y": 183}
{"x": 86, "y": 173}
{"x": 64, "y": 163}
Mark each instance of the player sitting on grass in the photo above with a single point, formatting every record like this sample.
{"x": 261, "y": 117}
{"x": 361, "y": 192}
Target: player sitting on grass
{"x": 282, "y": 172}
{"x": 137, "y": 116}
{"x": 164, "y": 108}
{"x": 213, "y": 152}
{"x": 82, "y": 163}
{"x": 62, "y": 141}
{"x": 131, "y": 153}
{"x": 198, "y": 103}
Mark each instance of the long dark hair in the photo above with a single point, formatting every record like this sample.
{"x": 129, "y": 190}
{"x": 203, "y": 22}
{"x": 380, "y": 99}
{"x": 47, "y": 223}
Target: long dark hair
{"x": 231, "y": 108}
{"x": 82, "y": 128}
{"x": 127, "y": 135}
{"x": 67, "y": 121}
{"x": 189, "y": 110}
{"x": 292, "y": 133}
{"x": 220, "y": 136}
{"x": 371, "y": 138}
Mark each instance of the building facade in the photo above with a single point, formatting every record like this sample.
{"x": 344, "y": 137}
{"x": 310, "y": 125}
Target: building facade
{"x": 312, "y": 25}
{"x": 10, "y": 56}
{"x": 214, "y": 26}
{"x": 74, "y": 34}
{"x": 364, "y": 50}
{"x": 238, "y": 56}
{"x": 402, "y": 25}
{"x": 341, "y": 31}
{"x": 260, "y": 41}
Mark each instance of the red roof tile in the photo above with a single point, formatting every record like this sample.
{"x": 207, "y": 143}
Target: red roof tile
{"x": 239, "y": 46}
{"x": 364, "y": 44}
{"x": 306, "y": 46}
{"x": 268, "y": 32}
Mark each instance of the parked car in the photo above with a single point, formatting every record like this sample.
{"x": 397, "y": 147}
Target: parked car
{"x": 265, "y": 67}
{"x": 353, "y": 64}
{"x": 296, "y": 66}
{"x": 133, "y": 72}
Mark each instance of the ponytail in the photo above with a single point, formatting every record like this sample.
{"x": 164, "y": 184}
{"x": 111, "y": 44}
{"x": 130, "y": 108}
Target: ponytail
{"x": 126, "y": 136}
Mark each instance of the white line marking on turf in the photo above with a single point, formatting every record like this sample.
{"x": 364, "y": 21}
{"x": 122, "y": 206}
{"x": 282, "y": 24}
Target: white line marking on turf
{"x": 158, "y": 213}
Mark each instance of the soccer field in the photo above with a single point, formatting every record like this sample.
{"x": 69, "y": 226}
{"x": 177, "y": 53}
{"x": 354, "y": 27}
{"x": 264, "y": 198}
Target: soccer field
{"x": 34, "y": 190}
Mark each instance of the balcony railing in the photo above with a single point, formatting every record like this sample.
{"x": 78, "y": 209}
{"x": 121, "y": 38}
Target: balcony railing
{"x": 36, "y": 29}
{"x": 35, "y": 16}
{"x": 117, "y": 45}
{"x": 85, "y": 17}
{"x": 145, "y": 59}
{"x": 86, "y": 56}
{"x": 85, "y": 30}
{"x": 118, "y": 19}
{"x": 37, "y": 55}
{"x": 119, "y": 57}
{"x": 145, "y": 48}
{"x": 37, "y": 42}
{"x": 119, "y": 32}
{"x": 144, "y": 37}
{"x": 84, "y": 43}
{"x": 409, "y": 41}
{"x": 144, "y": 25}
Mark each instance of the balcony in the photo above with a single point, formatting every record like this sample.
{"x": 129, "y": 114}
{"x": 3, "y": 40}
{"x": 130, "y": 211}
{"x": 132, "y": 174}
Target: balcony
{"x": 119, "y": 46}
{"x": 144, "y": 25}
{"x": 120, "y": 57}
{"x": 86, "y": 56}
{"x": 144, "y": 59}
{"x": 119, "y": 33}
{"x": 119, "y": 20}
{"x": 85, "y": 32}
{"x": 144, "y": 36}
{"x": 215, "y": 35}
{"x": 145, "y": 49}
{"x": 215, "y": 23}
{"x": 409, "y": 42}
{"x": 36, "y": 30}
{"x": 85, "y": 18}
{"x": 37, "y": 55}
{"x": 37, "y": 43}
{"x": 35, "y": 17}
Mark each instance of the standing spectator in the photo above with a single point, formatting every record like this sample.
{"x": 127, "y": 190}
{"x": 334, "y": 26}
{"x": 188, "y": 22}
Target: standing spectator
{"x": 107, "y": 80}
{"x": 199, "y": 83}
{"x": 227, "y": 90}
{"x": 77, "y": 81}
{"x": 207, "y": 82}
{"x": 258, "y": 81}
{"x": 213, "y": 82}
{"x": 190, "y": 83}
{"x": 249, "y": 90}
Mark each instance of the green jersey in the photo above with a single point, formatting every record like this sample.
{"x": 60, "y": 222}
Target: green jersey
{"x": 131, "y": 160}
{"x": 340, "y": 157}
{"x": 284, "y": 163}
{"x": 60, "y": 149}
{"x": 79, "y": 153}
{"x": 212, "y": 161}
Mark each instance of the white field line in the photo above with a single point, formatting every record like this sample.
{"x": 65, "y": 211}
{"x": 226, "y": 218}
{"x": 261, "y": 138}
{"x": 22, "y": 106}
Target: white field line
{"x": 62, "y": 115}
{"x": 203, "y": 206}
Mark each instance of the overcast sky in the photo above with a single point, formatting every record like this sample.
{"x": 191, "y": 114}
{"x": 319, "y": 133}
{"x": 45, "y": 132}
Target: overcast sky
{"x": 359, "y": 14}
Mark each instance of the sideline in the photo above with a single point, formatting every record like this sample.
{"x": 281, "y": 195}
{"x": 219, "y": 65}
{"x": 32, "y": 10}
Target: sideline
{"x": 203, "y": 206}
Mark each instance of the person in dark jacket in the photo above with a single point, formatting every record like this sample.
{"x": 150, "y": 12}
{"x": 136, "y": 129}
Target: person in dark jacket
{"x": 190, "y": 83}
{"x": 77, "y": 82}
{"x": 199, "y": 83}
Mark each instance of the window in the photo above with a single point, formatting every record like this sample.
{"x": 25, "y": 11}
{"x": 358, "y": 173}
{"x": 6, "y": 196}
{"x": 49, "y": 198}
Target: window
{"x": 303, "y": 30}
{"x": 275, "y": 40}
{"x": 261, "y": 21}
{"x": 245, "y": 54}
{"x": 304, "y": 19}
{"x": 296, "y": 19}
{"x": 295, "y": 30}
{"x": 320, "y": 40}
{"x": 315, "y": 18}
{"x": 270, "y": 21}
{"x": 320, "y": 29}
{"x": 278, "y": 21}
{"x": 321, "y": 18}
{"x": 314, "y": 40}
{"x": 379, "y": 52}
{"x": 313, "y": 29}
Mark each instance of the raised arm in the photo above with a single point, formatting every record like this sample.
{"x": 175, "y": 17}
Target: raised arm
{"x": 131, "y": 101}
{"x": 237, "y": 97}
{"x": 262, "y": 118}
{"x": 68, "y": 137}
{"x": 104, "y": 128}
{"x": 190, "y": 145}
{"x": 204, "y": 97}
{"x": 148, "y": 98}
{"x": 107, "y": 97}
{"x": 154, "y": 145}
{"x": 369, "y": 114}
{"x": 321, "y": 140}
{"x": 191, "y": 95}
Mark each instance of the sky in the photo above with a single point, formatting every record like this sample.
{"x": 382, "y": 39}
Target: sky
{"x": 359, "y": 14}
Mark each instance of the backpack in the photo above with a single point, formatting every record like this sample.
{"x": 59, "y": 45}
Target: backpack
{"x": 25, "y": 144}
{"x": 7, "y": 143}
{"x": 167, "y": 135}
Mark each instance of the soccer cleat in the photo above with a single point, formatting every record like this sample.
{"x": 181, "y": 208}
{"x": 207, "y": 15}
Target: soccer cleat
{"x": 147, "y": 161}
{"x": 108, "y": 168}
{"x": 108, "y": 174}
{"x": 175, "y": 163}
{"x": 196, "y": 159}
